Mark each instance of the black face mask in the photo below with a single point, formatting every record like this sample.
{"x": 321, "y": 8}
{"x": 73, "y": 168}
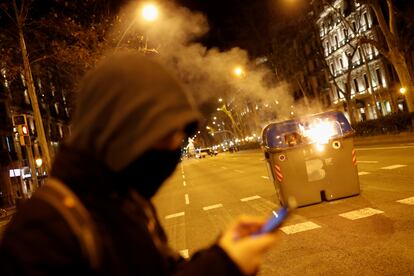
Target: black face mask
{"x": 149, "y": 171}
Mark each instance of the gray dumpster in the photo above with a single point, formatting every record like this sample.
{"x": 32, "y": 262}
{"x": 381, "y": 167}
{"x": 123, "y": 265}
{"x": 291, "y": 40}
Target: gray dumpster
{"x": 312, "y": 158}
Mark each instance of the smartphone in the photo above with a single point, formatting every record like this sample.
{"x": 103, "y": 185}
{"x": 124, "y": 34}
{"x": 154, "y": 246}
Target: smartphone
{"x": 274, "y": 221}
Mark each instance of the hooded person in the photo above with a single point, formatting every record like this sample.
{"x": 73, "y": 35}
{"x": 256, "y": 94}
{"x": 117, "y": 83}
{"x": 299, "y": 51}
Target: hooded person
{"x": 130, "y": 119}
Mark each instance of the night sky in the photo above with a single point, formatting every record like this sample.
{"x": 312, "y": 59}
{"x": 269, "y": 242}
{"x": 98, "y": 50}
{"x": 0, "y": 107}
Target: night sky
{"x": 242, "y": 23}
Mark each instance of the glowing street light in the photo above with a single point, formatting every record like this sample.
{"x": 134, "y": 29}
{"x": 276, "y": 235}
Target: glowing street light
{"x": 39, "y": 162}
{"x": 238, "y": 71}
{"x": 403, "y": 90}
{"x": 149, "y": 12}
{"x": 220, "y": 100}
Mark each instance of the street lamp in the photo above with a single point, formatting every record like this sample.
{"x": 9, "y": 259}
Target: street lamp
{"x": 238, "y": 71}
{"x": 39, "y": 162}
{"x": 403, "y": 90}
{"x": 149, "y": 12}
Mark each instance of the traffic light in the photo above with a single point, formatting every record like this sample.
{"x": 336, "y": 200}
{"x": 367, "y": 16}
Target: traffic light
{"x": 20, "y": 122}
{"x": 24, "y": 136}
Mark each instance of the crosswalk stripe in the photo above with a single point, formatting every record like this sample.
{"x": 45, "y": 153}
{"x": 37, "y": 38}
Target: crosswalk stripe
{"x": 299, "y": 227}
{"x": 409, "y": 201}
{"x": 393, "y": 167}
{"x": 363, "y": 173}
{"x": 361, "y": 213}
{"x": 176, "y": 215}
{"x": 212, "y": 207}
{"x": 250, "y": 198}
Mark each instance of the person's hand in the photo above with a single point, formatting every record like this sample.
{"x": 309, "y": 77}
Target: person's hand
{"x": 244, "y": 249}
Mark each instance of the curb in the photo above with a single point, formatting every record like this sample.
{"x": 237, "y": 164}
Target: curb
{"x": 404, "y": 137}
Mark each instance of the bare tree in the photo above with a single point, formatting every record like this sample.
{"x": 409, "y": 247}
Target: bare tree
{"x": 393, "y": 50}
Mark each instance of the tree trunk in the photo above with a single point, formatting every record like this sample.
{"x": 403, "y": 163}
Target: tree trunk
{"x": 400, "y": 65}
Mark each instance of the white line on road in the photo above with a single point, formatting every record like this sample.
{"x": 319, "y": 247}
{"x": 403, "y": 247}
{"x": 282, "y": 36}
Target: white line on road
{"x": 363, "y": 173}
{"x": 239, "y": 171}
{"x": 367, "y": 162}
{"x": 212, "y": 207}
{"x": 386, "y": 148}
{"x": 300, "y": 227}
{"x": 187, "y": 199}
{"x": 393, "y": 167}
{"x": 250, "y": 198}
{"x": 224, "y": 168}
{"x": 184, "y": 253}
{"x": 409, "y": 201}
{"x": 361, "y": 213}
{"x": 176, "y": 215}
{"x": 265, "y": 177}
{"x": 183, "y": 176}
{"x": 184, "y": 183}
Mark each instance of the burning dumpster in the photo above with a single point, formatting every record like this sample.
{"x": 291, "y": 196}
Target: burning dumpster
{"x": 312, "y": 158}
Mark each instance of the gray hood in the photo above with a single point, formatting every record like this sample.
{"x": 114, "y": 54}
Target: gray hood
{"x": 124, "y": 106}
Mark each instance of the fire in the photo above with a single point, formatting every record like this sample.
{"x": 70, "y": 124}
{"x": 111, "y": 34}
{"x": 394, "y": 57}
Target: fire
{"x": 320, "y": 131}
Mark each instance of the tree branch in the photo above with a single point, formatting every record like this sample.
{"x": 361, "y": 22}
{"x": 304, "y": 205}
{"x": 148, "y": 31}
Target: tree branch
{"x": 376, "y": 44}
{"x": 392, "y": 23}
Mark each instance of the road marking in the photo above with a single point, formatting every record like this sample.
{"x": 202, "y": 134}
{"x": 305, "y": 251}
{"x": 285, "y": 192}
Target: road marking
{"x": 184, "y": 183}
{"x": 300, "y": 227}
{"x": 250, "y": 198}
{"x": 187, "y": 199}
{"x": 409, "y": 201}
{"x": 361, "y": 213}
{"x": 224, "y": 168}
{"x": 265, "y": 177}
{"x": 393, "y": 167}
{"x": 212, "y": 207}
{"x": 184, "y": 253}
{"x": 367, "y": 162}
{"x": 363, "y": 173}
{"x": 176, "y": 215}
{"x": 239, "y": 171}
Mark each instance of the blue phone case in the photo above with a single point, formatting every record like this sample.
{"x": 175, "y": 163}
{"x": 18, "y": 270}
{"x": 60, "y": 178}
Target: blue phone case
{"x": 276, "y": 219}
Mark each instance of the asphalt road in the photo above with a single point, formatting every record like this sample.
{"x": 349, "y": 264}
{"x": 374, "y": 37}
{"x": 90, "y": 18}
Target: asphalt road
{"x": 369, "y": 234}
{"x": 203, "y": 196}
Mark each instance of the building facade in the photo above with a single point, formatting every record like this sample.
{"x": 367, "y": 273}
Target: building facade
{"x": 16, "y": 177}
{"x": 355, "y": 68}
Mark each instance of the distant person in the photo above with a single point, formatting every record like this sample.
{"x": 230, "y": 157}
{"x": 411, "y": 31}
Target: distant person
{"x": 293, "y": 139}
{"x": 94, "y": 216}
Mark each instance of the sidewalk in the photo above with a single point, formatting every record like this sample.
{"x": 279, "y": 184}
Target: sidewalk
{"x": 404, "y": 137}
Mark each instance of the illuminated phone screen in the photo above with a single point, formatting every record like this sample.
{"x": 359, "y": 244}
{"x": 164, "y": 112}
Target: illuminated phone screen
{"x": 275, "y": 220}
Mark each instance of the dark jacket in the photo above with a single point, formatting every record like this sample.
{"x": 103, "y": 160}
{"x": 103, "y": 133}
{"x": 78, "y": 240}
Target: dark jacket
{"x": 124, "y": 106}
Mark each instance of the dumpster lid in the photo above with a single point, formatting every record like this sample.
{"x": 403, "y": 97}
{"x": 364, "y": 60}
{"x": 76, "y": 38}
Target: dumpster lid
{"x": 317, "y": 128}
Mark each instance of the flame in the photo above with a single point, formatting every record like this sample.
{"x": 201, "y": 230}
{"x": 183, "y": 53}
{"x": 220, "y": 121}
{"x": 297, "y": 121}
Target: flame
{"x": 320, "y": 132}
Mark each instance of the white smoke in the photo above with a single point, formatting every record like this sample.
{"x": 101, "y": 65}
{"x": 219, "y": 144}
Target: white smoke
{"x": 207, "y": 72}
